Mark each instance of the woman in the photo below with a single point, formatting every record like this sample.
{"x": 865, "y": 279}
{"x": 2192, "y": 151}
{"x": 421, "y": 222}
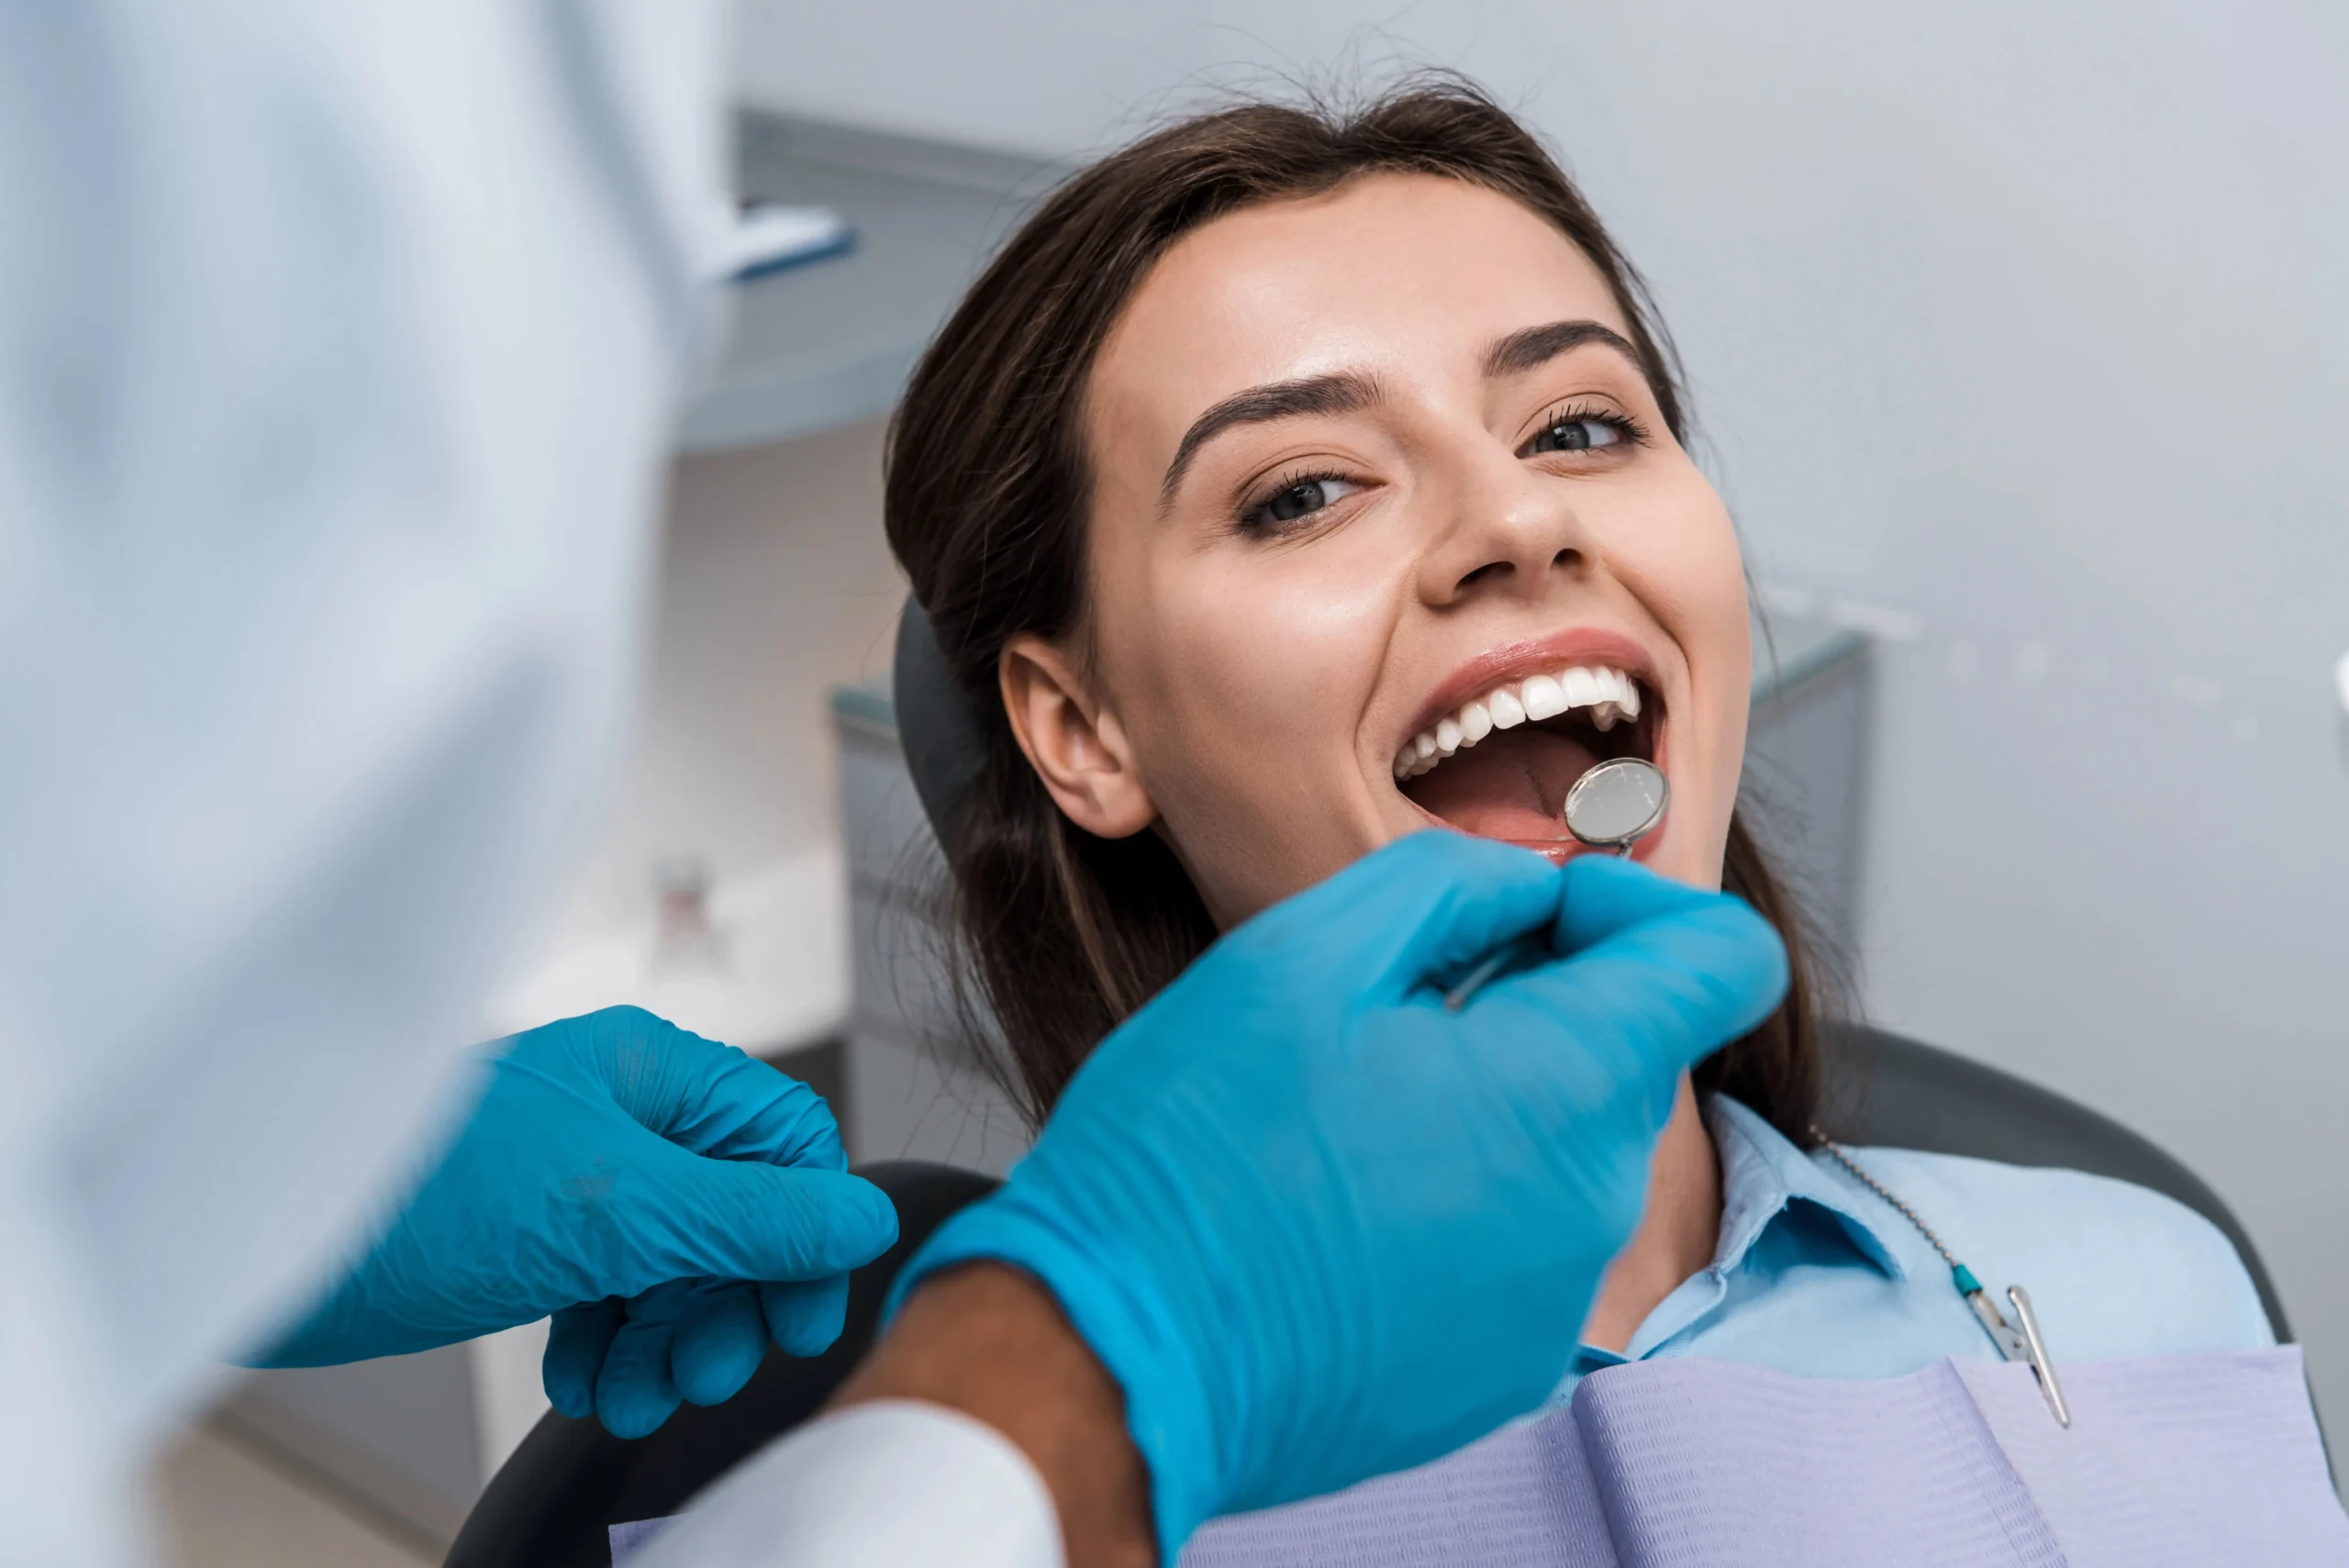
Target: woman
{"x": 1293, "y": 481}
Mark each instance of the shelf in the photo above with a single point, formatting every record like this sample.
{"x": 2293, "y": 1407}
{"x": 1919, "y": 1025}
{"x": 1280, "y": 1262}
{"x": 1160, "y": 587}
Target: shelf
{"x": 828, "y": 343}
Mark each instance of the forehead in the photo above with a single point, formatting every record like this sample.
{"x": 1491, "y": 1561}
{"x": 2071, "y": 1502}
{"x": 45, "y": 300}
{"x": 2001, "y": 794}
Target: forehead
{"x": 1403, "y": 276}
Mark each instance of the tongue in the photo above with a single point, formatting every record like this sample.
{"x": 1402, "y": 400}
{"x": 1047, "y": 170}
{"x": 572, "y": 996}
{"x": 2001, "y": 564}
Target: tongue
{"x": 1510, "y": 785}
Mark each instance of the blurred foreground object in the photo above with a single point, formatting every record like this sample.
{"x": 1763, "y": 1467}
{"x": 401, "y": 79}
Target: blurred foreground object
{"x": 338, "y": 354}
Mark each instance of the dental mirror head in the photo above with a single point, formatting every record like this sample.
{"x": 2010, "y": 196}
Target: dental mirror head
{"x": 1617, "y": 804}
{"x": 1612, "y": 806}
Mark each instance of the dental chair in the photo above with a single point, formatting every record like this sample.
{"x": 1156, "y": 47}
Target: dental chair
{"x": 551, "y": 1505}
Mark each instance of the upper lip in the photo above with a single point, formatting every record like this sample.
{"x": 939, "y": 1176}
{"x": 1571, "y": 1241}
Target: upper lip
{"x": 1537, "y": 656}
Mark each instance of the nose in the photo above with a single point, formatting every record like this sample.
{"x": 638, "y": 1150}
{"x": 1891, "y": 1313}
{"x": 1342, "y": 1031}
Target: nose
{"x": 1504, "y": 531}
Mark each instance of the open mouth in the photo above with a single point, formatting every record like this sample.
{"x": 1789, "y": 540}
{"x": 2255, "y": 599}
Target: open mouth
{"x": 1500, "y": 764}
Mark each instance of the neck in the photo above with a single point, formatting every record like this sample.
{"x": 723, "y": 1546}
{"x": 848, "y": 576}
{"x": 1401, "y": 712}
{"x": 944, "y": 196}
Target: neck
{"x": 1676, "y": 1236}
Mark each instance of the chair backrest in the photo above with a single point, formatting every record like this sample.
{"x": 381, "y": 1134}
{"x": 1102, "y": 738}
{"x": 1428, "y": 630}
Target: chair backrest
{"x": 1888, "y": 1090}
{"x": 551, "y": 1504}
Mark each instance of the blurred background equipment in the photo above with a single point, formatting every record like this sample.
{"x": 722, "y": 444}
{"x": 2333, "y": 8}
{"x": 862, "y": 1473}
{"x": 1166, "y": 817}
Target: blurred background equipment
{"x": 683, "y": 941}
{"x": 772, "y": 235}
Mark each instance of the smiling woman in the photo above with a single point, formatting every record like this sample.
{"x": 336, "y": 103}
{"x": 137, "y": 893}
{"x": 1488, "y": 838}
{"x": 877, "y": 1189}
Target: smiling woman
{"x": 1173, "y": 565}
{"x": 1297, "y": 479}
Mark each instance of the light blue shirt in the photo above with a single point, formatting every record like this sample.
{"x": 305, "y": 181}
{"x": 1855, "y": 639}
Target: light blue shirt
{"x": 1815, "y": 1274}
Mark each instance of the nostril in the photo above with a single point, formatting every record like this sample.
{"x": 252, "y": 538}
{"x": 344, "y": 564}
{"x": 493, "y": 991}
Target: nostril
{"x": 1491, "y": 569}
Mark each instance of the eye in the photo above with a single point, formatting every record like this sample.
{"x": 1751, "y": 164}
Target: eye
{"x": 1297, "y": 499}
{"x": 1580, "y": 430}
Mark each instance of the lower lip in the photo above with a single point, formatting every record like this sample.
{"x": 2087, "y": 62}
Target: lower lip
{"x": 1558, "y": 851}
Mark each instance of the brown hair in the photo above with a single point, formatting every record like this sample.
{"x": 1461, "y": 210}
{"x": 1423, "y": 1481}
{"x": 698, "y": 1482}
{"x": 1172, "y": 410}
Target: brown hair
{"x": 986, "y": 504}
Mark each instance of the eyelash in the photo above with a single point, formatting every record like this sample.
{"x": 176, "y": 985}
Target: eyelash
{"x": 1577, "y": 413}
{"x": 1250, "y": 521}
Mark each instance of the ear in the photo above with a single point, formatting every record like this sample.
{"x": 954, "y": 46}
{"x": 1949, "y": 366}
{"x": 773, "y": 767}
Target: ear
{"x": 1075, "y": 745}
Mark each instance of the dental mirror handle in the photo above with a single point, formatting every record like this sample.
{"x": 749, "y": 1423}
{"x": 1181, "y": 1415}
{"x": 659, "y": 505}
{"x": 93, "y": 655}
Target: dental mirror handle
{"x": 1523, "y": 948}
{"x": 1625, "y": 804}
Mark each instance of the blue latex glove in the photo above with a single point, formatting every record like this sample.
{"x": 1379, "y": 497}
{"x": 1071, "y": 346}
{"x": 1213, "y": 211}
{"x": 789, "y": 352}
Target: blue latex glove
{"x": 1316, "y": 1227}
{"x": 672, "y": 1202}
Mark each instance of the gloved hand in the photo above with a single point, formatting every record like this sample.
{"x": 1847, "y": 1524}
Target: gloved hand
{"x": 672, "y": 1201}
{"x": 1318, "y": 1227}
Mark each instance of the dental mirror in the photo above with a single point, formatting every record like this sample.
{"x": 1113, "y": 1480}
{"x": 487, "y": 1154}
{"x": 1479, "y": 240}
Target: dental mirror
{"x": 1612, "y": 806}
{"x": 1617, "y": 804}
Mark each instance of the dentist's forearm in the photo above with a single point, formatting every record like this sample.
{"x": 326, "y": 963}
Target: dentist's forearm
{"x": 989, "y": 1341}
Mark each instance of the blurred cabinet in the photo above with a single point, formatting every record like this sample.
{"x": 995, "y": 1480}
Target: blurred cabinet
{"x": 1805, "y": 791}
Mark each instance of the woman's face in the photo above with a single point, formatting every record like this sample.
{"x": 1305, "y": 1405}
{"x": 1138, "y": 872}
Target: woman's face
{"x": 1369, "y": 467}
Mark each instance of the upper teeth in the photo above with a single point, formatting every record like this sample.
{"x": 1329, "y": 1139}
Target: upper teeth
{"x": 1609, "y": 694}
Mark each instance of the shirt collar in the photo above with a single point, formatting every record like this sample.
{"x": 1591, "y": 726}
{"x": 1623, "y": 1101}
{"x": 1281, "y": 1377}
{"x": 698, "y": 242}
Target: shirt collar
{"x": 1764, "y": 1176}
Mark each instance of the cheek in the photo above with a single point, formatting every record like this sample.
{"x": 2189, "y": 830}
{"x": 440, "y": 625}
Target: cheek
{"x": 1685, "y": 567}
{"x": 1241, "y": 684}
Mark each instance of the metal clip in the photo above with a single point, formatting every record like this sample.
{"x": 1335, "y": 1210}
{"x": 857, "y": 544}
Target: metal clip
{"x": 2002, "y": 1333}
{"x": 2035, "y": 1351}
{"x": 2016, "y": 1345}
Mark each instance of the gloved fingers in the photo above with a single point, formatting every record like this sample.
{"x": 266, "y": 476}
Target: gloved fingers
{"x": 1413, "y": 913}
{"x": 1604, "y": 894}
{"x": 737, "y": 1107}
{"x": 634, "y": 1391}
{"x": 736, "y": 1220}
{"x": 576, "y": 1341}
{"x": 1666, "y": 972}
{"x": 711, "y": 1098}
{"x": 720, "y": 1337}
{"x": 805, "y": 1316}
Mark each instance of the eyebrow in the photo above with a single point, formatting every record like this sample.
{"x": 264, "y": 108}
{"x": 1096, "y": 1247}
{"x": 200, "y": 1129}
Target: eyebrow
{"x": 1521, "y": 351}
{"x": 1344, "y": 392}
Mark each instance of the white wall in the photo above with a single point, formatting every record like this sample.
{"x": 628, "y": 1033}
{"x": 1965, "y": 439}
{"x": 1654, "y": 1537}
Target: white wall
{"x": 2029, "y": 323}
{"x": 775, "y": 587}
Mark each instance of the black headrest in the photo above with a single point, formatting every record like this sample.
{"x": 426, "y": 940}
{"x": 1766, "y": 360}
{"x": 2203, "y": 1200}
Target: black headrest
{"x": 943, "y": 741}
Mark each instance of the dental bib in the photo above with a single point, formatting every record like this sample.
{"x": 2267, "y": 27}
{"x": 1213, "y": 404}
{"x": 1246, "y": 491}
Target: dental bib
{"x": 2190, "y": 1458}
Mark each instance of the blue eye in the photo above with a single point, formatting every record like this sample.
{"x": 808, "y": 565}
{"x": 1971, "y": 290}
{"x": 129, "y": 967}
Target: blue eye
{"x": 1300, "y": 498}
{"x": 1577, "y": 434}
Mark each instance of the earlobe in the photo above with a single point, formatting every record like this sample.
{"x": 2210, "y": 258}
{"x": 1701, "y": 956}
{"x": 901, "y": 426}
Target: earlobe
{"x": 1074, "y": 743}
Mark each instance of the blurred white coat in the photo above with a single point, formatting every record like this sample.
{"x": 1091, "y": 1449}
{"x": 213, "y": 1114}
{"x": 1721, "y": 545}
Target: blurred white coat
{"x": 338, "y": 349}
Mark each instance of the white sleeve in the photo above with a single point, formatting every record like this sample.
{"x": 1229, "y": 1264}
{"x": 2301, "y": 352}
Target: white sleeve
{"x": 874, "y": 1487}
{"x": 339, "y": 345}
